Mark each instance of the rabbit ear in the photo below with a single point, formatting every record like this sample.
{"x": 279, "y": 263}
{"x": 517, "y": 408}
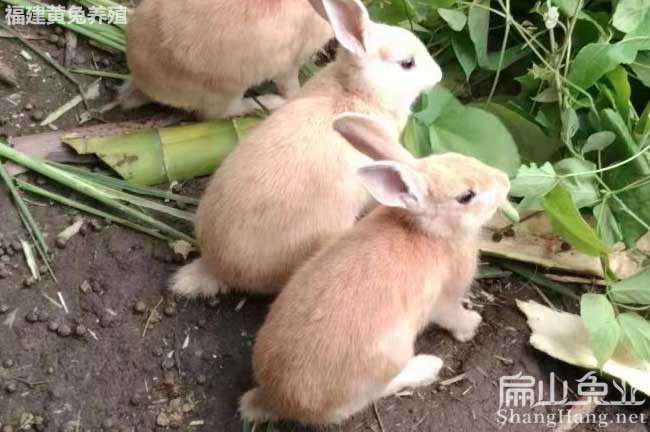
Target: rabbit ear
{"x": 350, "y": 21}
{"x": 367, "y": 135}
{"x": 394, "y": 185}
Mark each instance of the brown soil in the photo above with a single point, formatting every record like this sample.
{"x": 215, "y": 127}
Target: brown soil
{"x": 193, "y": 362}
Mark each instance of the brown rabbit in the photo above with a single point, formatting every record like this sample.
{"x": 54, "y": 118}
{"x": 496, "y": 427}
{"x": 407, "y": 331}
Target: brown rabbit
{"x": 291, "y": 185}
{"x": 202, "y": 55}
{"x": 340, "y": 334}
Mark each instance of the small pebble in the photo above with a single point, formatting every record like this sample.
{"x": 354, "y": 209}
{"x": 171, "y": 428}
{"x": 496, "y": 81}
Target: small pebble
{"x": 139, "y": 307}
{"x": 11, "y": 387}
{"x": 97, "y": 287}
{"x": 43, "y": 316}
{"x": 80, "y": 330}
{"x": 53, "y": 39}
{"x": 28, "y": 107}
{"x": 168, "y": 363}
{"x": 187, "y": 408}
{"x": 108, "y": 423}
{"x": 5, "y": 259}
{"x": 49, "y": 371}
{"x": 85, "y": 287}
{"x": 162, "y": 420}
{"x": 60, "y": 243}
{"x": 8, "y": 364}
{"x": 201, "y": 379}
{"x": 42, "y": 270}
{"x": 4, "y": 273}
{"x": 31, "y": 317}
{"x": 169, "y": 310}
{"x": 53, "y": 326}
{"x": 61, "y": 43}
{"x": 105, "y": 62}
{"x": 64, "y": 330}
{"x": 4, "y": 308}
{"x": 38, "y": 115}
{"x": 27, "y": 283}
{"x": 17, "y": 246}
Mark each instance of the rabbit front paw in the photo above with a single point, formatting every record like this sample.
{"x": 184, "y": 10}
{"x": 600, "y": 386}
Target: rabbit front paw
{"x": 467, "y": 330}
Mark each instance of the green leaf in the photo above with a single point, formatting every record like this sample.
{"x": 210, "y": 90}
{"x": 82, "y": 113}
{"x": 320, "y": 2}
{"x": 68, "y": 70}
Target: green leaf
{"x": 633, "y": 290}
{"x": 568, "y": 222}
{"x": 607, "y": 226}
{"x": 478, "y": 23}
{"x": 640, "y": 38}
{"x": 464, "y": 52}
{"x": 620, "y": 85}
{"x": 636, "y": 199}
{"x": 630, "y": 14}
{"x": 598, "y": 141}
{"x": 392, "y": 12}
{"x": 598, "y": 316}
{"x": 465, "y": 129}
{"x": 595, "y": 60}
{"x": 455, "y": 18}
{"x": 635, "y": 332}
{"x": 533, "y": 181}
{"x": 583, "y": 188}
{"x": 416, "y": 137}
{"x": 641, "y": 67}
{"x": 533, "y": 144}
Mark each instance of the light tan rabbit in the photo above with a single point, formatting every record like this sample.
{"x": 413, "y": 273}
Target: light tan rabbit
{"x": 291, "y": 185}
{"x": 202, "y": 55}
{"x": 341, "y": 333}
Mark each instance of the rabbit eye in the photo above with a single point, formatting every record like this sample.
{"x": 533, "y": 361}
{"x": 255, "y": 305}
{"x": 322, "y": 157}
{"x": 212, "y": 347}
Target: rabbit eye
{"x": 408, "y": 63}
{"x": 466, "y": 197}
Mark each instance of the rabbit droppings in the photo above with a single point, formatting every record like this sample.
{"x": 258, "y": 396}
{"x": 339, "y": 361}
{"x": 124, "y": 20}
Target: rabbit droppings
{"x": 291, "y": 186}
{"x": 202, "y": 55}
{"x": 341, "y": 334}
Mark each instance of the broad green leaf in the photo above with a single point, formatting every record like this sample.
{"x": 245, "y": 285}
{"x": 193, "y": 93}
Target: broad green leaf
{"x": 478, "y": 23}
{"x": 607, "y": 226}
{"x": 533, "y": 181}
{"x": 595, "y": 60}
{"x": 455, "y": 18}
{"x": 636, "y": 199}
{"x": 630, "y": 14}
{"x": 598, "y": 141}
{"x": 640, "y": 38}
{"x": 534, "y": 145}
{"x": 464, "y": 52}
{"x": 416, "y": 137}
{"x": 392, "y": 12}
{"x": 633, "y": 290}
{"x": 598, "y": 316}
{"x": 477, "y": 133}
{"x": 583, "y": 188}
{"x": 510, "y": 212}
{"x": 435, "y": 103}
{"x": 622, "y": 91}
{"x": 568, "y": 222}
{"x": 641, "y": 67}
{"x": 635, "y": 332}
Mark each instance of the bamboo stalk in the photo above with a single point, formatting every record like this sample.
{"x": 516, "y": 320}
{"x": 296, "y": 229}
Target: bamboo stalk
{"x": 80, "y": 185}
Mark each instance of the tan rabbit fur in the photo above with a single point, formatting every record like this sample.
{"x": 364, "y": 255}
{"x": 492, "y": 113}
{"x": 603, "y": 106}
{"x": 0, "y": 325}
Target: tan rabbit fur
{"x": 341, "y": 333}
{"x": 202, "y": 55}
{"x": 291, "y": 185}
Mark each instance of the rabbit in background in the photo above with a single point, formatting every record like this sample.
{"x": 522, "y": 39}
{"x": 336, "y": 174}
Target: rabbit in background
{"x": 290, "y": 186}
{"x": 202, "y": 55}
{"x": 341, "y": 334}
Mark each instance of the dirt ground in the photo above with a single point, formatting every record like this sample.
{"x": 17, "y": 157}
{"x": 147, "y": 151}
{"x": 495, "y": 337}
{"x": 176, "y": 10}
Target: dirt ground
{"x": 183, "y": 364}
